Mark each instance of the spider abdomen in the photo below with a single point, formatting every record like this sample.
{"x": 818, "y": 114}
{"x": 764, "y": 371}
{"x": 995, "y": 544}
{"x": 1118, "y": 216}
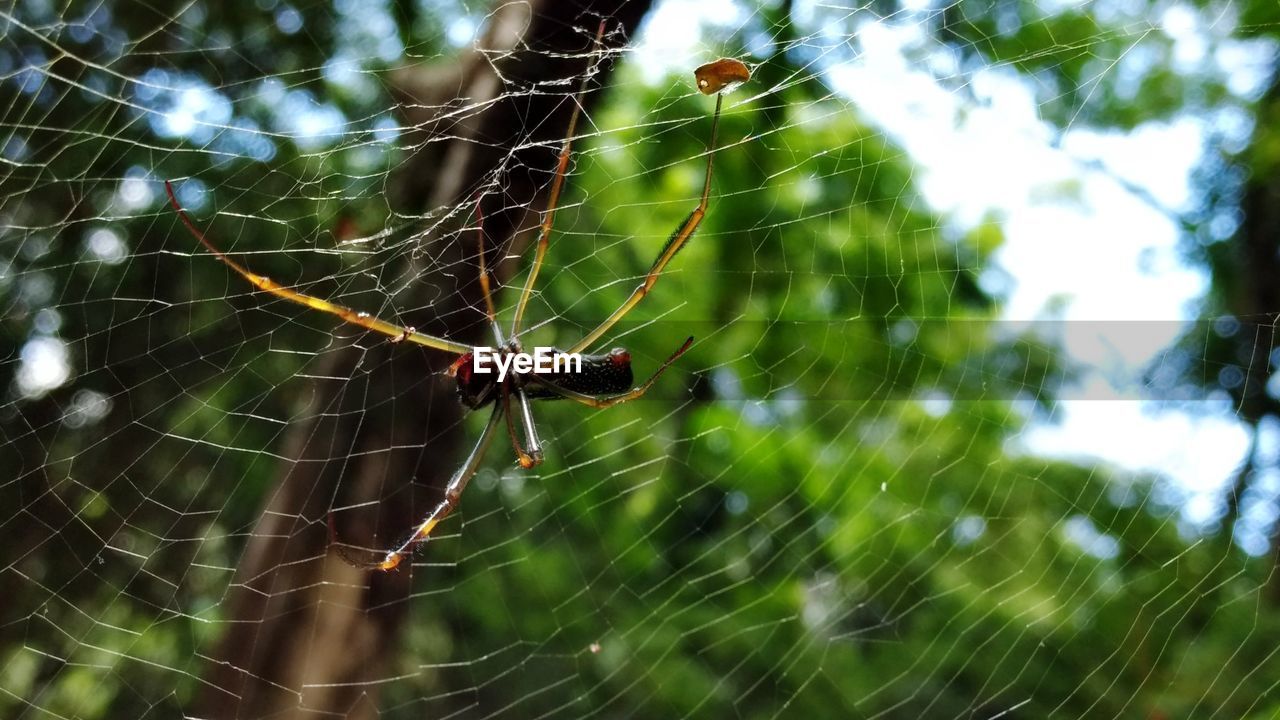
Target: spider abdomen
{"x": 608, "y": 374}
{"x": 599, "y": 375}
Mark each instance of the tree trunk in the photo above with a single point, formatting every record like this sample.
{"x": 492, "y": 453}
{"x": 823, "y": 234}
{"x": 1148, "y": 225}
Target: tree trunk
{"x": 304, "y": 633}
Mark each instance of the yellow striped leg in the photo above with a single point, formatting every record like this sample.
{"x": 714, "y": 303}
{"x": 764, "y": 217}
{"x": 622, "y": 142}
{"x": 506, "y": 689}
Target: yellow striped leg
{"x": 548, "y": 216}
{"x": 674, "y": 243}
{"x": 397, "y": 333}
{"x": 452, "y": 493}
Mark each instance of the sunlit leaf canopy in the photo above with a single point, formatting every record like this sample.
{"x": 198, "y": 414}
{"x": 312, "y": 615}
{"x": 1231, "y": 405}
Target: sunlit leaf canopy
{"x": 840, "y": 502}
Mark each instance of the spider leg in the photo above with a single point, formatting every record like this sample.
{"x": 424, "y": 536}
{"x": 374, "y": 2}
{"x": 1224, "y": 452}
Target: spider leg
{"x": 533, "y": 456}
{"x": 452, "y": 493}
{"x": 548, "y": 216}
{"x": 611, "y": 400}
{"x": 673, "y": 246}
{"x": 397, "y": 333}
{"x": 530, "y": 430}
{"x": 485, "y": 289}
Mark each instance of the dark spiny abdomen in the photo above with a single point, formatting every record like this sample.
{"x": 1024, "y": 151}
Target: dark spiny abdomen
{"x": 608, "y": 374}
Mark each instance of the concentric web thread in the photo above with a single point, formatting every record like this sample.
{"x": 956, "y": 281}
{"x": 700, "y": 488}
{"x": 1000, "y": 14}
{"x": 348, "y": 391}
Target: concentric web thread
{"x": 948, "y": 441}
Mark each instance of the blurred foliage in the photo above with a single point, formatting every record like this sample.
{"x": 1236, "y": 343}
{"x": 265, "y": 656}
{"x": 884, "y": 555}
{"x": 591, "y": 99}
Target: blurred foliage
{"x": 822, "y": 512}
{"x": 1145, "y": 67}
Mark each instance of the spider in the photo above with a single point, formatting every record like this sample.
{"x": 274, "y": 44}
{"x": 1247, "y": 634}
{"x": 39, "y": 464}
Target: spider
{"x": 603, "y": 381}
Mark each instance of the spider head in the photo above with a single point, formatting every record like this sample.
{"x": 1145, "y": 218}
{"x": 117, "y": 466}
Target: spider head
{"x": 474, "y": 390}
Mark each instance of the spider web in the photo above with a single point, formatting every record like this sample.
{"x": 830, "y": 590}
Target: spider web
{"x": 949, "y": 443}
